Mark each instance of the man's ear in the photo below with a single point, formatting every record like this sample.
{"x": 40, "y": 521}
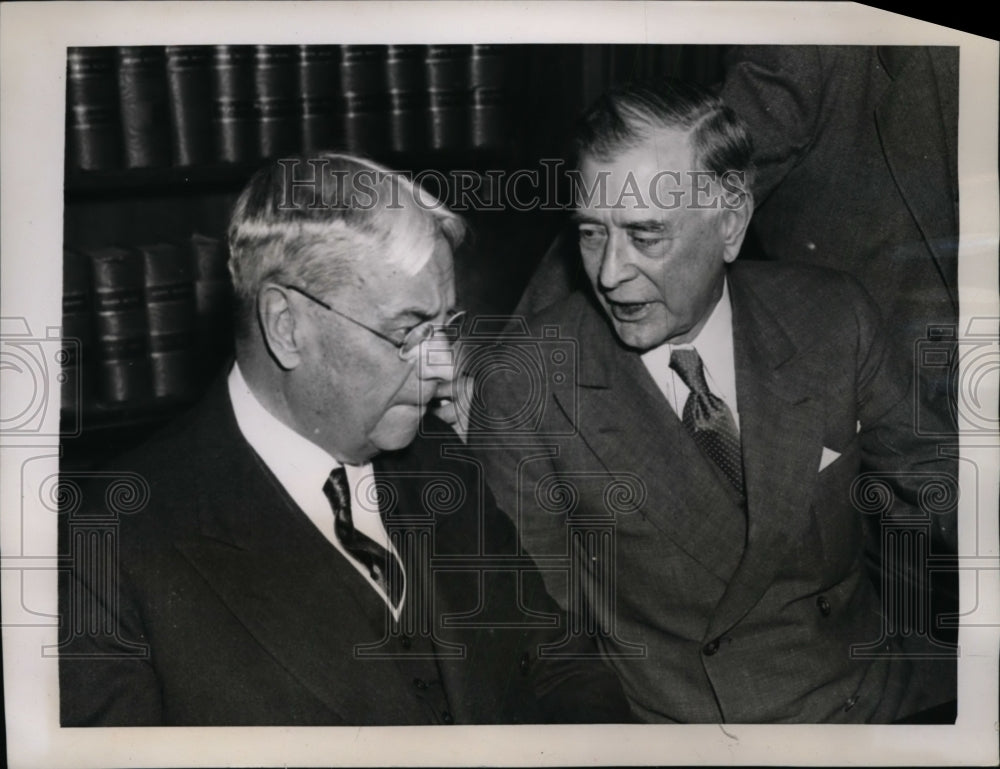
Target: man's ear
{"x": 735, "y": 220}
{"x": 278, "y": 326}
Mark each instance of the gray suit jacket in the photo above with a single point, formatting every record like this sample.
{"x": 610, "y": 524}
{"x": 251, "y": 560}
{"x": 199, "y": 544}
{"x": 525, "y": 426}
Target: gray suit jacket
{"x": 706, "y": 612}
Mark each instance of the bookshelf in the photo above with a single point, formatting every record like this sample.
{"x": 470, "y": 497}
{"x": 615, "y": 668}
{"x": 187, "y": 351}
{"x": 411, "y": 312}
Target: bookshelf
{"x": 161, "y": 139}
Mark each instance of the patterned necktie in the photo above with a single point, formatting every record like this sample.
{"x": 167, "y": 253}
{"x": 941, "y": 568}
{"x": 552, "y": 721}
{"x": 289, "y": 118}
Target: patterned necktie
{"x": 382, "y": 565}
{"x": 708, "y": 419}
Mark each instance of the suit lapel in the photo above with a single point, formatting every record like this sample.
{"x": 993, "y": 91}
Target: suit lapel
{"x": 781, "y": 427}
{"x": 299, "y": 598}
{"x": 628, "y": 425}
{"x": 913, "y": 131}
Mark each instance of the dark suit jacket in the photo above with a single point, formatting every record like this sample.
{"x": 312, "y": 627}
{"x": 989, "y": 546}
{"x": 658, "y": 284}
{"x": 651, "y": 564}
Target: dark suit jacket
{"x": 227, "y": 606}
{"x": 863, "y": 136}
{"x": 857, "y": 151}
{"x": 713, "y": 614}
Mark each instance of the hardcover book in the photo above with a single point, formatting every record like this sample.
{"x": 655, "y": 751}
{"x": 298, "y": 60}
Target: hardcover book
{"x": 120, "y": 325}
{"x": 93, "y": 123}
{"x": 233, "y": 114}
{"x": 276, "y": 100}
{"x": 189, "y": 81}
{"x": 320, "y": 101}
{"x": 171, "y": 319}
{"x": 145, "y": 105}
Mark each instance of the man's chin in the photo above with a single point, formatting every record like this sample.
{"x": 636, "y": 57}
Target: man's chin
{"x": 399, "y": 428}
{"x": 638, "y": 336}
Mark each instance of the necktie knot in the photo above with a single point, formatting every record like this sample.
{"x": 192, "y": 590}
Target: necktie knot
{"x": 687, "y": 363}
{"x": 338, "y": 491}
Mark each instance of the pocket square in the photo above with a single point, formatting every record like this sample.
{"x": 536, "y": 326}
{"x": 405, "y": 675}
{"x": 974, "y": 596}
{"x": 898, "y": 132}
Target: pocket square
{"x": 827, "y": 458}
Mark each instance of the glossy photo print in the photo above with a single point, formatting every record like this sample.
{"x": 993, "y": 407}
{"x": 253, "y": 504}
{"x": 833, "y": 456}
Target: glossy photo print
{"x": 389, "y": 385}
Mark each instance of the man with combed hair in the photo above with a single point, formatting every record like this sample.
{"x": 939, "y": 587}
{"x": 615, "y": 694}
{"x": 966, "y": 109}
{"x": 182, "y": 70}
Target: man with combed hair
{"x": 702, "y": 464}
{"x": 278, "y": 569}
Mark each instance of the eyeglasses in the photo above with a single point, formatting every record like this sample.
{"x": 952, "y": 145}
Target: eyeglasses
{"x": 451, "y": 329}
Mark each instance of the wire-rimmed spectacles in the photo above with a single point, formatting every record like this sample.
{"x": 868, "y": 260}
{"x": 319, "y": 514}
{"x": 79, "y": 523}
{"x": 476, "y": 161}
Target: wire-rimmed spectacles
{"x": 451, "y": 329}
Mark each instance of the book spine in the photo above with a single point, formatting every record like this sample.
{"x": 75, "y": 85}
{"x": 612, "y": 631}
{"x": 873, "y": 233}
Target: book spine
{"x": 189, "y": 82}
{"x": 120, "y": 315}
{"x": 93, "y": 123}
{"x": 321, "y": 104}
{"x": 234, "y": 117}
{"x": 366, "y": 100}
{"x": 77, "y": 333}
{"x": 407, "y": 86}
{"x": 488, "y": 96}
{"x": 448, "y": 95}
{"x": 171, "y": 319}
{"x": 145, "y": 106}
{"x": 276, "y": 99}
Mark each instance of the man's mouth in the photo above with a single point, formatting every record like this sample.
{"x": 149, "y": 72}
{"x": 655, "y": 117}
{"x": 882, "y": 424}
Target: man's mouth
{"x": 629, "y": 312}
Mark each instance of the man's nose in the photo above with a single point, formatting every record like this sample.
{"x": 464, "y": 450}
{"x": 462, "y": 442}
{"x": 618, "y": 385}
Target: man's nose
{"x": 616, "y": 264}
{"x": 437, "y": 359}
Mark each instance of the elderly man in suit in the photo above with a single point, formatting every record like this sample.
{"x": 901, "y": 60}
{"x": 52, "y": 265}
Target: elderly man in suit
{"x": 277, "y": 564}
{"x": 699, "y": 465}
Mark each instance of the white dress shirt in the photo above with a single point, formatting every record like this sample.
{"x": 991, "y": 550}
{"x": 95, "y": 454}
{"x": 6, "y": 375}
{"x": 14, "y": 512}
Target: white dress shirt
{"x": 714, "y": 345}
{"x": 302, "y": 468}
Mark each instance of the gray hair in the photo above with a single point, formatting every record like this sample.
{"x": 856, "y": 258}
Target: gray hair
{"x": 626, "y": 115}
{"x": 312, "y": 219}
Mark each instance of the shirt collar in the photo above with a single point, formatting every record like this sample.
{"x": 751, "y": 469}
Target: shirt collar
{"x": 295, "y": 460}
{"x": 714, "y": 342}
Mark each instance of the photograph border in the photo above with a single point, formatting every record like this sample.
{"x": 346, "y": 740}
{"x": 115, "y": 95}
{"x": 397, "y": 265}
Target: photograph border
{"x": 33, "y": 42}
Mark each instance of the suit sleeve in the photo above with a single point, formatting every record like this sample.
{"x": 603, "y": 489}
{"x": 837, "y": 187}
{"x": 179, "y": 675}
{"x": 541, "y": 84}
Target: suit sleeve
{"x": 515, "y": 462}
{"x": 571, "y": 681}
{"x": 923, "y": 483}
{"x": 777, "y": 90}
{"x": 106, "y": 675}
{"x": 916, "y": 491}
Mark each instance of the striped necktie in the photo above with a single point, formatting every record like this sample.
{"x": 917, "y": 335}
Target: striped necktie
{"x": 380, "y": 563}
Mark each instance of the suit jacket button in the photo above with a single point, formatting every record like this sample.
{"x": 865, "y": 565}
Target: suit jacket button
{"x": 525, "y": 663}
{"x": 711, "y": 648}
{"x": 406, "y": 642}
{"x": 420, "y": 683}
{"x": 824, "y": 605}
{"x": 447, "y": 717}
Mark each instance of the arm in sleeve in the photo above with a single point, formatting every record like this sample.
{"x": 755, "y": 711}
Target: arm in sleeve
{"x": 777, "y": 90}
{"x": 924, "y": 482}
{"x": 106, "y": 675}
{"x": 573, "y": 683}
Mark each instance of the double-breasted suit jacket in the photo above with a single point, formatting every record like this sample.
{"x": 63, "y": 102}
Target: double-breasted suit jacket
{"x": 711, "y": 607}
{"x": 218, "y": 602}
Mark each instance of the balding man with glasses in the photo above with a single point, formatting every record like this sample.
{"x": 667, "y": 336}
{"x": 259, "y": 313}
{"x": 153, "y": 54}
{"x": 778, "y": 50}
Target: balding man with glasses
{"x": 316, "y": 549}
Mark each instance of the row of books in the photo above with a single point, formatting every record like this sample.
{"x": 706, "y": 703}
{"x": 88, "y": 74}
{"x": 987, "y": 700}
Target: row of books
{"x": 146, "y": 324}
{"x": 155, "y": 106}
